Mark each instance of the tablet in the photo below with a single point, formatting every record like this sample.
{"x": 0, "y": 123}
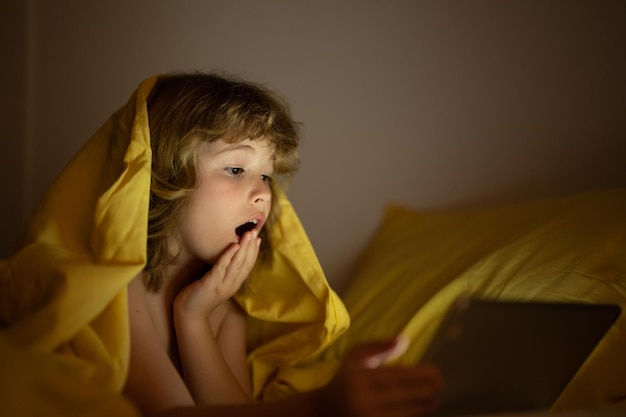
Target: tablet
{"x": 509, "y": 356}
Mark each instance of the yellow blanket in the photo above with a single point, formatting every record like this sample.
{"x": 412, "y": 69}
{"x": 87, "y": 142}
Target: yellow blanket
{"x": 64, "y": 343}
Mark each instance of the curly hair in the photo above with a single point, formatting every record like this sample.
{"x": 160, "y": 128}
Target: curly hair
{"x": 185, "y": 110}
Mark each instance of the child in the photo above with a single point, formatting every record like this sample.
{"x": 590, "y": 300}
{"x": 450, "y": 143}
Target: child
{"x": 216, "y": 145}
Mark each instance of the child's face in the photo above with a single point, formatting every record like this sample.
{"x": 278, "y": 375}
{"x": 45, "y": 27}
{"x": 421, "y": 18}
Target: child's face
{"x": 233, "y": 189}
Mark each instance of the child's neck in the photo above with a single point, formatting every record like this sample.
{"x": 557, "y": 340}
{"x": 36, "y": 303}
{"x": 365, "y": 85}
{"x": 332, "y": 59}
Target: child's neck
{"x": 179, "y": 275}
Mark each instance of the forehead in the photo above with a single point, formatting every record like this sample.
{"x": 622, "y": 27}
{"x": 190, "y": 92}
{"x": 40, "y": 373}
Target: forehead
{"x": 256, "y": 147}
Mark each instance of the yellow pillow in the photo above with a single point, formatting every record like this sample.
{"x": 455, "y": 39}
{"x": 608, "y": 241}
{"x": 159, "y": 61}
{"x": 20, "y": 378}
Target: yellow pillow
{"x": 567, "y": 249}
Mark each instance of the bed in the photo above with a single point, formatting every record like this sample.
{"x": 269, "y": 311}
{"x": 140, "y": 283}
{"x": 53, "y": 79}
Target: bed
{"x": 64, "y": 322}
{"x": 566, "y": 249}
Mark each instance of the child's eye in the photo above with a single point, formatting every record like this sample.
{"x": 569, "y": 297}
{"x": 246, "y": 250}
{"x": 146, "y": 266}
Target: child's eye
{"x": 266, "y": 178}
{"x": 234, "y": 171}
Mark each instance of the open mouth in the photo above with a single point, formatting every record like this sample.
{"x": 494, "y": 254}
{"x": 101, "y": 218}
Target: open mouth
{"x": 246, "y": 227}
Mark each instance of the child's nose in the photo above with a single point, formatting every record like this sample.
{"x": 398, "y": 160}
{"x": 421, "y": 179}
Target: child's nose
{"x": 261, "y": 192}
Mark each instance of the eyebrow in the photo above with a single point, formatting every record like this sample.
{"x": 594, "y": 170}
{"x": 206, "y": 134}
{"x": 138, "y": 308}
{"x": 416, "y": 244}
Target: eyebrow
{"x": 233, "y": 148}
{"x": 236, "y": 146}
{"x": 241, "y": 147}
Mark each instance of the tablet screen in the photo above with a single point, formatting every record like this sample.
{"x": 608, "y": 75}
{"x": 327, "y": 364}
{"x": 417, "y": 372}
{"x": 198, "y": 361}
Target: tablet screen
{"x": 507, "y": 356}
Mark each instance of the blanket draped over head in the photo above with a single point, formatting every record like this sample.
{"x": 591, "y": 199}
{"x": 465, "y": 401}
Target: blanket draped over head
{"x": 64, "y": 336}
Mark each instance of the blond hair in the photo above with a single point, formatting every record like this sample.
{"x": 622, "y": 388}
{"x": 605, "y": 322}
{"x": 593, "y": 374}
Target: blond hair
{"x": 186, "y": 110}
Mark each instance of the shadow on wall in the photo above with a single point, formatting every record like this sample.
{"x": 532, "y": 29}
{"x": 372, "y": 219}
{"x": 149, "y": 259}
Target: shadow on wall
{"x": 434, "y": 105}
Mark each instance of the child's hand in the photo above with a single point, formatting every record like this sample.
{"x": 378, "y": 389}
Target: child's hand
{"x": 201, "y": 297}
{"x": 364, "y": 388}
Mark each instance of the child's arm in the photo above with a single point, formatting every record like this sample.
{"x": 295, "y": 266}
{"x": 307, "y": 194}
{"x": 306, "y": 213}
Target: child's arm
{"x": 361, "y": 389}
{"x": 231, "y": 338}
{"x": 364, "y": 387}
{"x": 214, "y": 361}
{"x": 213, "y": 358}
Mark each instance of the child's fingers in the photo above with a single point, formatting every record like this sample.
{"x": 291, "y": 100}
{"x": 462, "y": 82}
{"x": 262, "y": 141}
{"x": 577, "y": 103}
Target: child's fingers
{"x": 408, "y": 387}
{"x": 244, "y": 260}
{"x": 399, "y": 391}
{"x": 220, "y": 268}
{"x": 374, "y": 354}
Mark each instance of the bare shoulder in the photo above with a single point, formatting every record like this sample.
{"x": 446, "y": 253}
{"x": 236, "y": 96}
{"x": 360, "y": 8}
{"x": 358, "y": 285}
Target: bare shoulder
{"x": 138, "y": 310}
{"x": 153, "y": 382}
{"x": 141, "y": 315}
{"x": 136, "y": 293}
